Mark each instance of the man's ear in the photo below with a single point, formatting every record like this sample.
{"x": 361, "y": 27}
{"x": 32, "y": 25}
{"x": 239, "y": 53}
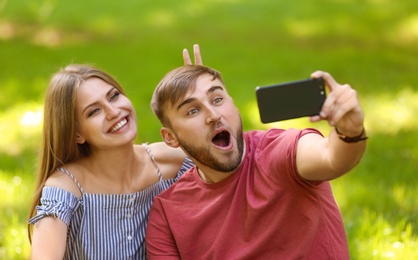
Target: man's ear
{"x": 169, "y": 137}
{"x": 79, "y": 139}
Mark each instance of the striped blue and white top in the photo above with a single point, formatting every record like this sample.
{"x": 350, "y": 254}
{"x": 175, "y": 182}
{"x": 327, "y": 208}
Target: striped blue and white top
{"x": 104, "y": 226}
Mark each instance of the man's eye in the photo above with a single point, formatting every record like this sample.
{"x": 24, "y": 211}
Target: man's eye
{"x": 217, "y": 100}
{"x": 192, "y": 111}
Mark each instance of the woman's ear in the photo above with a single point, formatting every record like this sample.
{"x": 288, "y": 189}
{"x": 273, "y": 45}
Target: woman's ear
{"x": 79, "y": 139}
{"x": 169, "y": 137}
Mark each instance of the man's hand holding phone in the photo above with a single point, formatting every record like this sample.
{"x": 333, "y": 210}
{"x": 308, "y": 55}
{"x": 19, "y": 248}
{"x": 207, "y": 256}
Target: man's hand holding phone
{"x": 341, "y": 108}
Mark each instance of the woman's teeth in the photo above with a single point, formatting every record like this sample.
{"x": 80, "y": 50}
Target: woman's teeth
{"x": 119, "y": 125}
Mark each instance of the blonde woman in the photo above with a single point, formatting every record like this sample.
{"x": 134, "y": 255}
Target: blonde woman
{"x": 95, "y": 186}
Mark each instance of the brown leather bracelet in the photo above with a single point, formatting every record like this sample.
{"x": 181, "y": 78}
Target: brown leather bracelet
{"x": 355, "y": 139}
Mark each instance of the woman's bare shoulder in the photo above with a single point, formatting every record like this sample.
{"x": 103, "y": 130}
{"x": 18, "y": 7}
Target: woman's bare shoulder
{"x": 61, "y": 180}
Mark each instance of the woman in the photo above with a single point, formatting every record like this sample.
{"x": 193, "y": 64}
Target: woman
{"x": 95, "y": 187}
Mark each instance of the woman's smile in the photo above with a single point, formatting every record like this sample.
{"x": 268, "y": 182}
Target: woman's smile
{"x": 119, "y": 125}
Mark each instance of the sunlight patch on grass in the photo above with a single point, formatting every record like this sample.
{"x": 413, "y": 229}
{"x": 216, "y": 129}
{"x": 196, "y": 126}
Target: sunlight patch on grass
{"x": 387, "y": 241}
{"x": 390, "y": 113}
{"x": 379, "y": 218}
{"x": 15, "y": 188}
{"x": 162, "y": 19}
{"x": 15, "y": 246}
{"x": 403, "y": 197}
{"x": 301, "y": 28}
{"x": 406, "y": 31}
{"x": 7, "y": 30}
{"x": 14, "y": 192}
{"x": 20, "y": 128}
{"x": 105, "y": 25}
{"x": 406, "y": 198}
{"x": 31, "y": 118}
{"x": 47, "y": 36}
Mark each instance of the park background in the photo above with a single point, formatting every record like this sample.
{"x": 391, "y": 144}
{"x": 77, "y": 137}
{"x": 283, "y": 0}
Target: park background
{"x": 370, "y": 44}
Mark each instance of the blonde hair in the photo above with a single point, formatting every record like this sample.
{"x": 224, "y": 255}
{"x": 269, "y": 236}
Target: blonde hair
{"x": 59, "y": 145}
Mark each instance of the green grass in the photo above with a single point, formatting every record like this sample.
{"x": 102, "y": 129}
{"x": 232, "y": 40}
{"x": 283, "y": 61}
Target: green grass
{"x": 371, "y": 45}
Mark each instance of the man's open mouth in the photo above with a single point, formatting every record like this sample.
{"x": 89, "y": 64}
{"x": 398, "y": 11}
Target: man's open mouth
{"x": 222, "y": 139}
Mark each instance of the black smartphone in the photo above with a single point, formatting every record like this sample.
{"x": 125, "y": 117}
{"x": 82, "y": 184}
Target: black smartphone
{"x": 290, "y": 100}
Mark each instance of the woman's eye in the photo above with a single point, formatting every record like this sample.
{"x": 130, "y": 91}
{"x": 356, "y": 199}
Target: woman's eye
{"x": 93, "y": 112}
{"x": 114, "y": 96}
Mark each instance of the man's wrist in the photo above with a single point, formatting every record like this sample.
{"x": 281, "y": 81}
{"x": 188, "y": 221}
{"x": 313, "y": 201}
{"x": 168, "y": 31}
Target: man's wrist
{"x": 361, "y": 137}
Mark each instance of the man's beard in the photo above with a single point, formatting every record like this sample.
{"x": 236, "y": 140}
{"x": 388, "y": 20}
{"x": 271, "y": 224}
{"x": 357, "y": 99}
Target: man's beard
{"x": 203, "y": 155}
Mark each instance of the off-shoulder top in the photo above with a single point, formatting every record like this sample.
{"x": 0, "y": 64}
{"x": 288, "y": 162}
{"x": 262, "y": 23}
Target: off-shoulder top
{"x": 104, "y": 226}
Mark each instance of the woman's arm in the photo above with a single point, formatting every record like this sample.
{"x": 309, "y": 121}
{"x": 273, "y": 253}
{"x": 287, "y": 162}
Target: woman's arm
{"x": 49, "y": 239}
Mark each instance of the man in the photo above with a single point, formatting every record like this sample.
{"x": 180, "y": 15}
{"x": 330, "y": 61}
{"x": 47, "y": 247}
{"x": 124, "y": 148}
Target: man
{"x": 253, "y": 195}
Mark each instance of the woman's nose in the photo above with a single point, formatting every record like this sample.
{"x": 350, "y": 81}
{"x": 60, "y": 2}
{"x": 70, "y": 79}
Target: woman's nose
{"x": 111, "y": 112}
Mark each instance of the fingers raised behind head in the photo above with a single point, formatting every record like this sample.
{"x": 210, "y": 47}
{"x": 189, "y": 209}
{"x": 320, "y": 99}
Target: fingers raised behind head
{"x": 196, "y": 53}
{"x": 186, "y": 57}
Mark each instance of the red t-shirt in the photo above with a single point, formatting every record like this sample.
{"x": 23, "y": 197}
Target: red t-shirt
{"x": 264, "y": 210}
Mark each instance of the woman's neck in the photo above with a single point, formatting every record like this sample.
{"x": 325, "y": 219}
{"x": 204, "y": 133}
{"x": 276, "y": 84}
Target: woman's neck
{"x": 112, "y": 170}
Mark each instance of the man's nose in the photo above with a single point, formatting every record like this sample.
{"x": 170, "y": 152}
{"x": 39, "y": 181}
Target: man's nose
{"x": 212, "y": 116}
